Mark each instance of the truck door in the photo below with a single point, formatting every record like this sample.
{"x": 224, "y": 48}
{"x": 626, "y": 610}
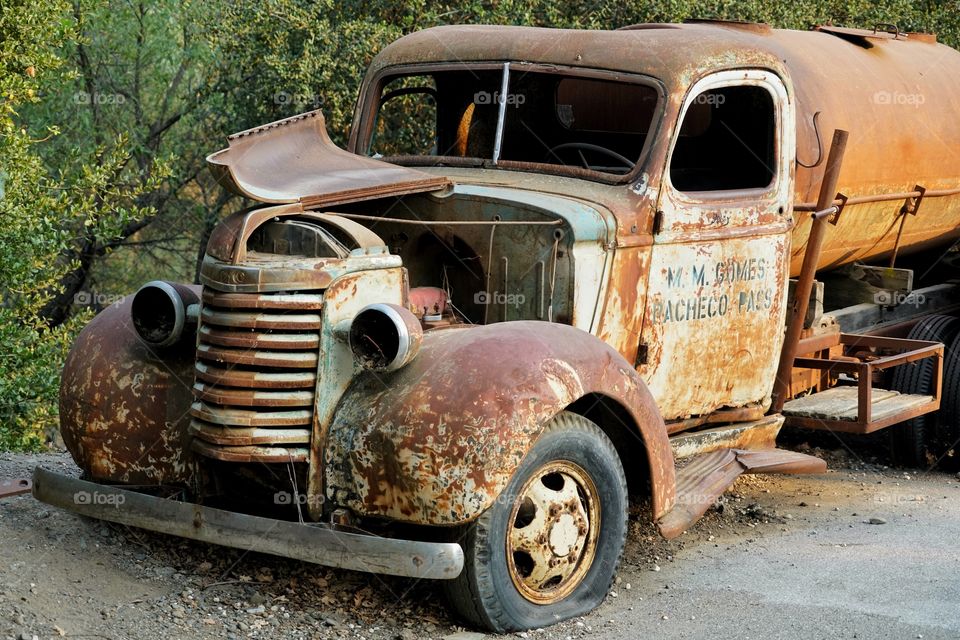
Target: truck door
{"x": 714, "y": 314}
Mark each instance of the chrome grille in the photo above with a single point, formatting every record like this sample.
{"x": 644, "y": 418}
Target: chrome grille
{"x": 256, "y": 373}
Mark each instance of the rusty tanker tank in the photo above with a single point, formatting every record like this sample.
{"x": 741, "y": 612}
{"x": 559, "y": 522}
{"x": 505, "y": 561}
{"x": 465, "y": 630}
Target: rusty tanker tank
{"x": 896, "y": 94}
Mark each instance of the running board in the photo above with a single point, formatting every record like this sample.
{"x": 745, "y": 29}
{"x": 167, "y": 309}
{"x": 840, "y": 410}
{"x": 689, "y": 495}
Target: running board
{"x": 705, "y": 477}
{"x": 758, "y": 434}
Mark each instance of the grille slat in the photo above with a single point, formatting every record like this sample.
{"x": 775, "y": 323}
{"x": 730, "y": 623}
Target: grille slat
{"x": 255, "y": 379}
{"x": 258, "y": 320}
{"x": 250, "y": 398}
{"x": 293, "y": 360}
{"x": 256, "y": 372}
{"x": 260, "y": 340}
{"x": 248, "y": 417}
{"x": 290, "y": 301}
{"x": 241, "y": 437}
{"x": 253, "y": 453}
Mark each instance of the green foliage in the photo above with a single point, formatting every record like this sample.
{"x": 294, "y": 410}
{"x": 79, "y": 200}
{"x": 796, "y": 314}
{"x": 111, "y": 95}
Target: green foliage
{"x": 45, "y": 211}
{"x": 282, "y": 57}
{"x": 28, "y": 238}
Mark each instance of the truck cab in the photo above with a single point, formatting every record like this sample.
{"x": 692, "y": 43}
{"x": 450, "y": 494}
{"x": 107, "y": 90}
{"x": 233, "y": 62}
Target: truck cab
{"x": 704, "y": 196}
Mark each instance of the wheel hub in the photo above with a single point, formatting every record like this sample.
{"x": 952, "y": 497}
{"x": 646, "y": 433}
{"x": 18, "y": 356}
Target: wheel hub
{"x": 564, "y": 535}
{"x": 552, "y": 540}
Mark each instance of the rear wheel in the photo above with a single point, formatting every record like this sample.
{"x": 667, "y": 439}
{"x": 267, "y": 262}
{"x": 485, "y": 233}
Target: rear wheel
{"x": 911, "y": 441}
{"x": 948, "y": 423}
{"x": 549, "y": 547}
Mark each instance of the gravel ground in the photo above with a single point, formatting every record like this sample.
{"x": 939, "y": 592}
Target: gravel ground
{"x": 863, "y": 551}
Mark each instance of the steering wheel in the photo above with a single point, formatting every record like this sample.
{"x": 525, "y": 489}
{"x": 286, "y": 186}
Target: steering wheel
{"x": 586, "y": 146}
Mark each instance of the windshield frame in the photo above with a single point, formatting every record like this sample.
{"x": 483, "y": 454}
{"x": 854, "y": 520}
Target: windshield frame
{"x": 369, "y": 102}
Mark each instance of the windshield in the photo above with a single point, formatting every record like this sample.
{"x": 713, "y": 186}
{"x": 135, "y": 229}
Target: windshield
{"x": 511, "y": 116}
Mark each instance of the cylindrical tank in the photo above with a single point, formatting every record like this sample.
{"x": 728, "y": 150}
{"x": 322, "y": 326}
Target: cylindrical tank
{"x": 899, "y": 97}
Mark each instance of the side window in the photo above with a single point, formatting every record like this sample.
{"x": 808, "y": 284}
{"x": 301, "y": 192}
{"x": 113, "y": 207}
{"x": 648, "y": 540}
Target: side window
{"x": 727, "y": 141}
{"x": 407, "y": 118}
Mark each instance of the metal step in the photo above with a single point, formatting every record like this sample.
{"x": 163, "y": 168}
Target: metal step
{"x": 755, "y": 434}
{"x": 842, "y": 403}
{"x": 863, "y": 408}
{"x": 16, "y": 487}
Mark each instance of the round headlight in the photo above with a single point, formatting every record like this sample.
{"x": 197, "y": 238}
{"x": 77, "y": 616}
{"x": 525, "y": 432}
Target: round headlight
{"x": 385, "y": 336}
{"x": 160, "y": 312}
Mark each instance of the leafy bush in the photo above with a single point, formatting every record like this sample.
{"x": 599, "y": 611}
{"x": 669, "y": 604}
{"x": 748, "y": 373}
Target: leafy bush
{"x": 47, "y": 212}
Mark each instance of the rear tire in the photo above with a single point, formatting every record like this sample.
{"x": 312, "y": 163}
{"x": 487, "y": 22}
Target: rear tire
{"x": 948, "y": 423}
{"x": 549, "y": 547}
{"x": 912, "y": 440}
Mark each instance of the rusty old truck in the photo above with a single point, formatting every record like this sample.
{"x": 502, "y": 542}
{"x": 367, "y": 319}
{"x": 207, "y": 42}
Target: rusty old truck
{"x": 551, "y": 272}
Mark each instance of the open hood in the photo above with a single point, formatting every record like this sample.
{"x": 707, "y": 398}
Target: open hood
{"x": 294, "y": 160}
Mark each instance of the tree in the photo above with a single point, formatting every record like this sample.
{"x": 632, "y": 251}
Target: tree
{"x": 42, "y": 212}
{"x": 138, "y": 92}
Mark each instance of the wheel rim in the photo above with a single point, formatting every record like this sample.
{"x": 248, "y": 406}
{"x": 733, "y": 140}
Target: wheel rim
{"x": 552, "y": 535}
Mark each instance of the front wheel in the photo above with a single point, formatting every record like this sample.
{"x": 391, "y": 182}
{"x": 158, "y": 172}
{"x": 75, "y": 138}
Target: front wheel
{"x": 549, "y": 547}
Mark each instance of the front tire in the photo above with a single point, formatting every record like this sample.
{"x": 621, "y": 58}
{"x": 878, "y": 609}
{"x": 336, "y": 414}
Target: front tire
{"x": 549, "y": 547}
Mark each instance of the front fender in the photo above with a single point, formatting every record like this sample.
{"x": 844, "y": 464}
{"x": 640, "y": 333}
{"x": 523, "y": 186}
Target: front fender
{"x": 124, "y": 406}
{"x": 437, "y": 441}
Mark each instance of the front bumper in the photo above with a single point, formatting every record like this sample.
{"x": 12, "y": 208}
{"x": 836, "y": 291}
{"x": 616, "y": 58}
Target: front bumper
{"x": 317, "y": 543}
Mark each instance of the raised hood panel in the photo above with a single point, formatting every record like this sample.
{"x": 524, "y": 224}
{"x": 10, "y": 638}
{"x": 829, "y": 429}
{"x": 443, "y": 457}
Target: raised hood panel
{"x": 294, "y": 160}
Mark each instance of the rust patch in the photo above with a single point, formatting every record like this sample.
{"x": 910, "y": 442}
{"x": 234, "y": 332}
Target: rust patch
{"x": 124, "y": 407}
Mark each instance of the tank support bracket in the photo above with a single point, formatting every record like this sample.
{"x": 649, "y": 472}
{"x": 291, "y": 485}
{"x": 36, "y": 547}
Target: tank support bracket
{"x": 911, "y": 205}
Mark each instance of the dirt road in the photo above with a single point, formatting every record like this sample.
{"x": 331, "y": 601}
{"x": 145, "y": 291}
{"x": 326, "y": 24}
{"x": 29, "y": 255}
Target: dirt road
{"x": 861, "y": 552}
